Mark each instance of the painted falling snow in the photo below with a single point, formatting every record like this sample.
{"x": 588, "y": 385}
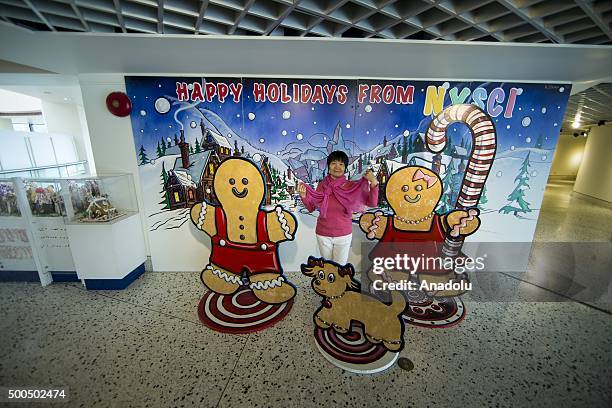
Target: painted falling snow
{"x": 184, "y": 127}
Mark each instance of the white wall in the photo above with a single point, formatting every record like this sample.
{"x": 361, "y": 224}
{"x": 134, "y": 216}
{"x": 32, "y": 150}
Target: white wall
{"x": 568, "y": 156}
{"x": 6, "y": 123}
{"x": 64, "y": 118}
{"x": 595, "y": 174}
{"x": 86, "y": 139}
{"x": 20, "y": 150}
{"x": 16, "y": 102}
{"x": 112, "y": 141}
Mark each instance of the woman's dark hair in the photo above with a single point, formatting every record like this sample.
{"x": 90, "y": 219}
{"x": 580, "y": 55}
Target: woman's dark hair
{"x": 338, "y": 155}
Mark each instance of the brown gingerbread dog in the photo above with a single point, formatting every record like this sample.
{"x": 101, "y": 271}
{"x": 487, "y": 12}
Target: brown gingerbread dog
{"x": 413, "y": 193}
{"x": 343, "y": 303}
{"x": 244, "y": 237}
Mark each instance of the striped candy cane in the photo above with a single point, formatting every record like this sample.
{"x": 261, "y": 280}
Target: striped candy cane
{"x": 484, "y": 144}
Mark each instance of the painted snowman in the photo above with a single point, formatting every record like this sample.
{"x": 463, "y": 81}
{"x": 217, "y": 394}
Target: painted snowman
{"x": 244, "y": 237}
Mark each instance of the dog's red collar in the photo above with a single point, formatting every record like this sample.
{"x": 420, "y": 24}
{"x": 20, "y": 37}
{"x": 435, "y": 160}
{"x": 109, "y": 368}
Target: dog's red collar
{"x": 327, "y": 300}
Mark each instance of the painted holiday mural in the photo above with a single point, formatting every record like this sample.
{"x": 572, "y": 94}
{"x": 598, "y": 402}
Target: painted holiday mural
{"x": 184, "y": 128}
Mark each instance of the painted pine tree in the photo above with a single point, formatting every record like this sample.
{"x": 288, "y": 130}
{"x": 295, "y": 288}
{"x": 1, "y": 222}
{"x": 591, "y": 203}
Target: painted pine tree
{"x": 448, "y": 149}
{"x": 142, "y": 156}
{"x": 163, "y": 147}
{"x": 483, "y": 199}
{"x": 166, "y": 199}
{"x": 190, "y": 149}
{"x": 160, "y": 153}
{"x": 393, "y": 152}
{"x": 274, "y": 193}
{"x": 282, "y": 193}
{"x": 518, "y": 194}
{"x": 405, "y": 150}
{"x": 197, "y": 149}
{"x": 446, "y": 201}
{"x": 539, "y": 142}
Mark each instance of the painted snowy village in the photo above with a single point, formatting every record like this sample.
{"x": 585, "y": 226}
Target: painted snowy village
{"x": 177, "y": 163}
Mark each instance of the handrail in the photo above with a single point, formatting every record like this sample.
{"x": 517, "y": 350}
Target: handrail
{"x": 54, "y": 166}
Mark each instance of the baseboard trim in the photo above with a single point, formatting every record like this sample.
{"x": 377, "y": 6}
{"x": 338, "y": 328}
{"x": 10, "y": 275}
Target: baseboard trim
{"x": 592, "y": 200}
{"x": 65, "y": 276}
{"x": 115, "y": 284}
{"x": 559, "y": 177}
{"x": 19, "y": 276}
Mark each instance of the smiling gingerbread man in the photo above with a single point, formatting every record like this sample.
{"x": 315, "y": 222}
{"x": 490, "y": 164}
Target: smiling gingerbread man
{"x": 413, "y": 193}
{"x": 244, "y": 237}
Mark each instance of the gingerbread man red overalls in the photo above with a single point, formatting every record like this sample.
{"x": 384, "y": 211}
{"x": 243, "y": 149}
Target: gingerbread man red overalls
{"x": 413, "y": 193}
{"x": 244, "y": 237}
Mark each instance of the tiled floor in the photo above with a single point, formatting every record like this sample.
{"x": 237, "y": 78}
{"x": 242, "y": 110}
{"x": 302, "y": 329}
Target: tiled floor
{"x": 145, "y": 346}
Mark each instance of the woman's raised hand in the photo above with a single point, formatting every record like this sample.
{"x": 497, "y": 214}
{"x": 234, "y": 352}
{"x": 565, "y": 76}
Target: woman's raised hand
{"x": 369, "y": 175}
{"x": 301, "y": 189}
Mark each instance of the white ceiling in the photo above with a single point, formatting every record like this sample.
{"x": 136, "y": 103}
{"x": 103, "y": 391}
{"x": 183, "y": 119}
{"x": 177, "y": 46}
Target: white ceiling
{"x": 503, "y": 40}
{"x": 49, "y": 87}
{"x": 84, "y": 53}
{"x": 528, "y": 21}
{"x": 594, "y": 105}
{"x": 16, "y": 102}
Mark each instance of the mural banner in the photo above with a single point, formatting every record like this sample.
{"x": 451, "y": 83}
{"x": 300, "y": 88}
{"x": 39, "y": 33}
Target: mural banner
{"x": 185, "y": 127}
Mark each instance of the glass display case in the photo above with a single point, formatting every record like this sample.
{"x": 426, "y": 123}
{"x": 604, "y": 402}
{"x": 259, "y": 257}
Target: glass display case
{"x": 48, "y": 227}
{"x": 100, "y": 199}
{"x": 16, "y": 250}
{"x": 45, "y": 198}
{"x": 8, "y": 199}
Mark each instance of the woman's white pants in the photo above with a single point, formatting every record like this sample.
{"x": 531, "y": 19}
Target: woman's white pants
{"x": 335, "y": 248}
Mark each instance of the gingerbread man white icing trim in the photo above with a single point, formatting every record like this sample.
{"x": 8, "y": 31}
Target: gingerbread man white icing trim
{"x": 283, "y": 221}
{"x": 262, "y": 285}
{"x": 202, "y": 215}
{"x": 374, "y": 227}
{"x": 472, "y": 213}
{"x": 223, "y": 275}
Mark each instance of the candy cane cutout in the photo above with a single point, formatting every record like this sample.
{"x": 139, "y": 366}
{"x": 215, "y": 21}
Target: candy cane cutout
{"x": 484, "y": 144}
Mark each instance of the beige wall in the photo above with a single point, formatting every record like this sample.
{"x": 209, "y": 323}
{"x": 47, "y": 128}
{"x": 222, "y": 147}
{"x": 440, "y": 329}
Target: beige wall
{"x": 568, "y": 156}
{"x": 595, "y": 174}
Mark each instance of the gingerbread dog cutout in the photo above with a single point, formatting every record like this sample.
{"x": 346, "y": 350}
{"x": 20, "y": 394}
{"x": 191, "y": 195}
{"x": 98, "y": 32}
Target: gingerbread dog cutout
{"x": 244, "y": 237}
{"x": 343, "y": 303}
{"x": 413, "y": 193}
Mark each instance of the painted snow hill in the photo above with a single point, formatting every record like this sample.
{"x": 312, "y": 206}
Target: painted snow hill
{"x": 504, "y": 201}
{"x": 307, "y": 157}
{"x": 508, "y": 214}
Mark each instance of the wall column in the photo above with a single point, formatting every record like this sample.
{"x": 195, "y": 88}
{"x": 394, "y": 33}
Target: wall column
{"x": 112, "y": 141}
{"x": 595, "y": 173}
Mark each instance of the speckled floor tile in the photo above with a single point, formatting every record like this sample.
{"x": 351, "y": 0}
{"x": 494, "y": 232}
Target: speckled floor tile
{"x": 176, "y": 294}
{"x": 107, "y": 351}
{"x": 483, "y": 361}
{"x": 565, "y": 217}
{"x": 502, "y": 287}
{"x": 579, "y": 335}
{"x": 569, "y": 218}
{"x": 145, "y": 346}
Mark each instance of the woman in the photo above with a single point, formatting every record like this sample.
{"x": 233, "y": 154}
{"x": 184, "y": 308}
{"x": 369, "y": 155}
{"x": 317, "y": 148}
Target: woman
{"x": 337, "y": 199}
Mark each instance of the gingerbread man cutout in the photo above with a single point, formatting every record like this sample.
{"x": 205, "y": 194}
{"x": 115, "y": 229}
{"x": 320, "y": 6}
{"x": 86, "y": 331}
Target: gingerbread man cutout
{"x": 413, "y": 193}
{"x": 244, "y": 237}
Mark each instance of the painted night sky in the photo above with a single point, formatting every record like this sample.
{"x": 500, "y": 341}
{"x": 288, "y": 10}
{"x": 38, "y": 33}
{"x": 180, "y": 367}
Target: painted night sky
{"x": 157, "y": 113}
